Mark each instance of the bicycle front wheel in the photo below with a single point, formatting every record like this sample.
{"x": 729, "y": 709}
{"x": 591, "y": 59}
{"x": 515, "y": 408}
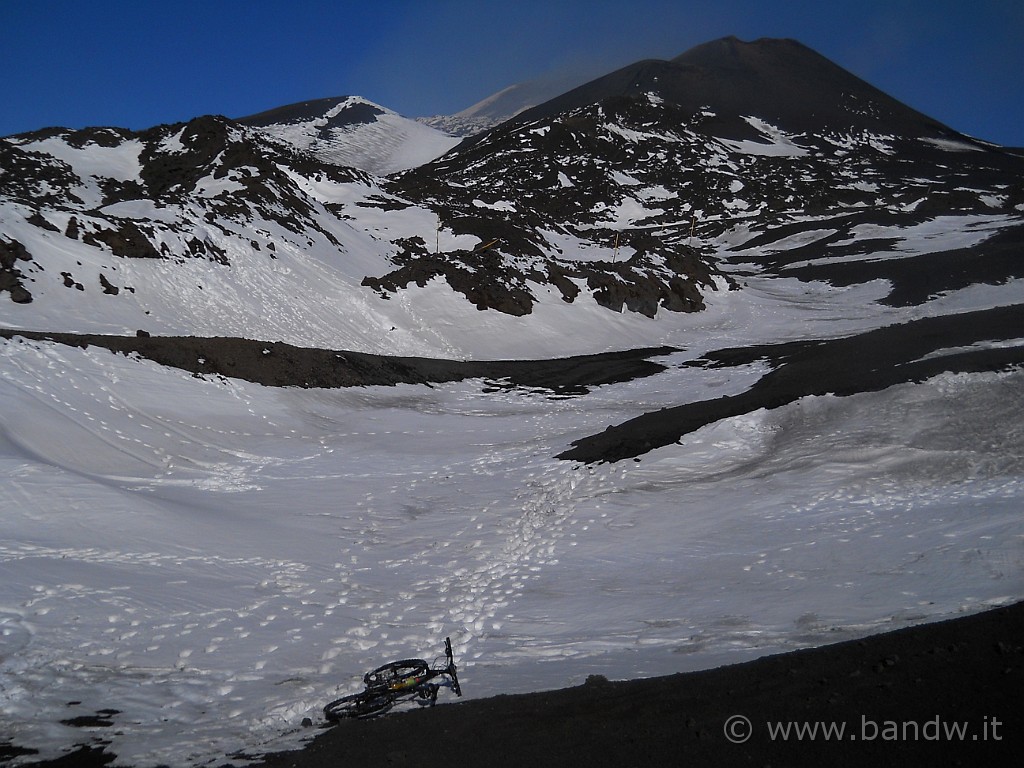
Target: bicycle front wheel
{"x": 365, "y": 704}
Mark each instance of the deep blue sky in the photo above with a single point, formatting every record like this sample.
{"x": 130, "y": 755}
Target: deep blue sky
{"x": 138, "y": 63}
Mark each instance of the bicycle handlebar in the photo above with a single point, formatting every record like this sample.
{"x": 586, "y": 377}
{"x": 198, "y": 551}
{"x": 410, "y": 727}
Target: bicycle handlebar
{"x": 452, "y": 670}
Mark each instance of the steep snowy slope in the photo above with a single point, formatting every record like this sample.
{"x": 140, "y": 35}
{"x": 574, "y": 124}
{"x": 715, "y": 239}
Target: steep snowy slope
{"x": 205, "y": 228}
{"x": 352, "y": 131}
{"x": 486, "y": 113}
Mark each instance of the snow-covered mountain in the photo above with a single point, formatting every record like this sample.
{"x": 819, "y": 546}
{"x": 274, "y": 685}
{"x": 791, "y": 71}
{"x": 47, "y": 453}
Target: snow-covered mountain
{"x": 500, "y": 106}
{"x": 485, "y": 114}
{"x": 706, "y": 359}
{"x": 610, "y": 185}
{"x": 352, "y": 131}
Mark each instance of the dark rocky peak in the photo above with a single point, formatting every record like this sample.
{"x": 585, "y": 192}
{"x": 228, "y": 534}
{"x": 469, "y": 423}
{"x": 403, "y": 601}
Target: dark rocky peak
{"x": 177, "y": 156}
{"x": 780, "y": 81}
{"x": 785, "y": 81}
{"x": 335, "y": 112}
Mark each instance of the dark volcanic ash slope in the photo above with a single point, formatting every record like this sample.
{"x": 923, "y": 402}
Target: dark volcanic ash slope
{"x": 964, "y": 671}
{"x": 782, "y": 82}
{"x": 278, "y": 364}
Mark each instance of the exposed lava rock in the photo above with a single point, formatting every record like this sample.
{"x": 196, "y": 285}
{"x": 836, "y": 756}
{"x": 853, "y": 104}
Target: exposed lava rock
{"x": 127, "y": 240}
{"x": 11, "y": 252}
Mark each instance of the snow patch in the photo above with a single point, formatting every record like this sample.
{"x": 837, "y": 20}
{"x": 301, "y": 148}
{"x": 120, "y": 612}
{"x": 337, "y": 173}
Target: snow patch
{"x": 500, "y": 205}
{"x": 953, "y": 145}
{"x": 780, "y": 144}
{"x": 93, "y": 160}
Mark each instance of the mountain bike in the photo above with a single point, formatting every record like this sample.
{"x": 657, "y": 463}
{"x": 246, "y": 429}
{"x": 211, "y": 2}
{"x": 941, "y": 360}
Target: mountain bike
{"x": 389, "y": 684}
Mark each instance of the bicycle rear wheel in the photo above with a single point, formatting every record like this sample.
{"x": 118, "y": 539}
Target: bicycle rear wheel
{"x": 365, "y": 704}
{"x": 395, "y": 673}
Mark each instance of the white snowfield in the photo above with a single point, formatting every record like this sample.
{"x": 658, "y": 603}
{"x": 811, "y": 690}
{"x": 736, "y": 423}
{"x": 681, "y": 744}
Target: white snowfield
{"x": 213, "y": 560}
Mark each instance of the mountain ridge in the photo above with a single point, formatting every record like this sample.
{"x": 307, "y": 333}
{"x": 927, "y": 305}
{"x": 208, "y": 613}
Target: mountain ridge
{"x": 500, "y": 106}
{"x": 616, "y": 203}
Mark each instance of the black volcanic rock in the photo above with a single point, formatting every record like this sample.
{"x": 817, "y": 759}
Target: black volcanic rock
{"x": 11, "y": 277}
